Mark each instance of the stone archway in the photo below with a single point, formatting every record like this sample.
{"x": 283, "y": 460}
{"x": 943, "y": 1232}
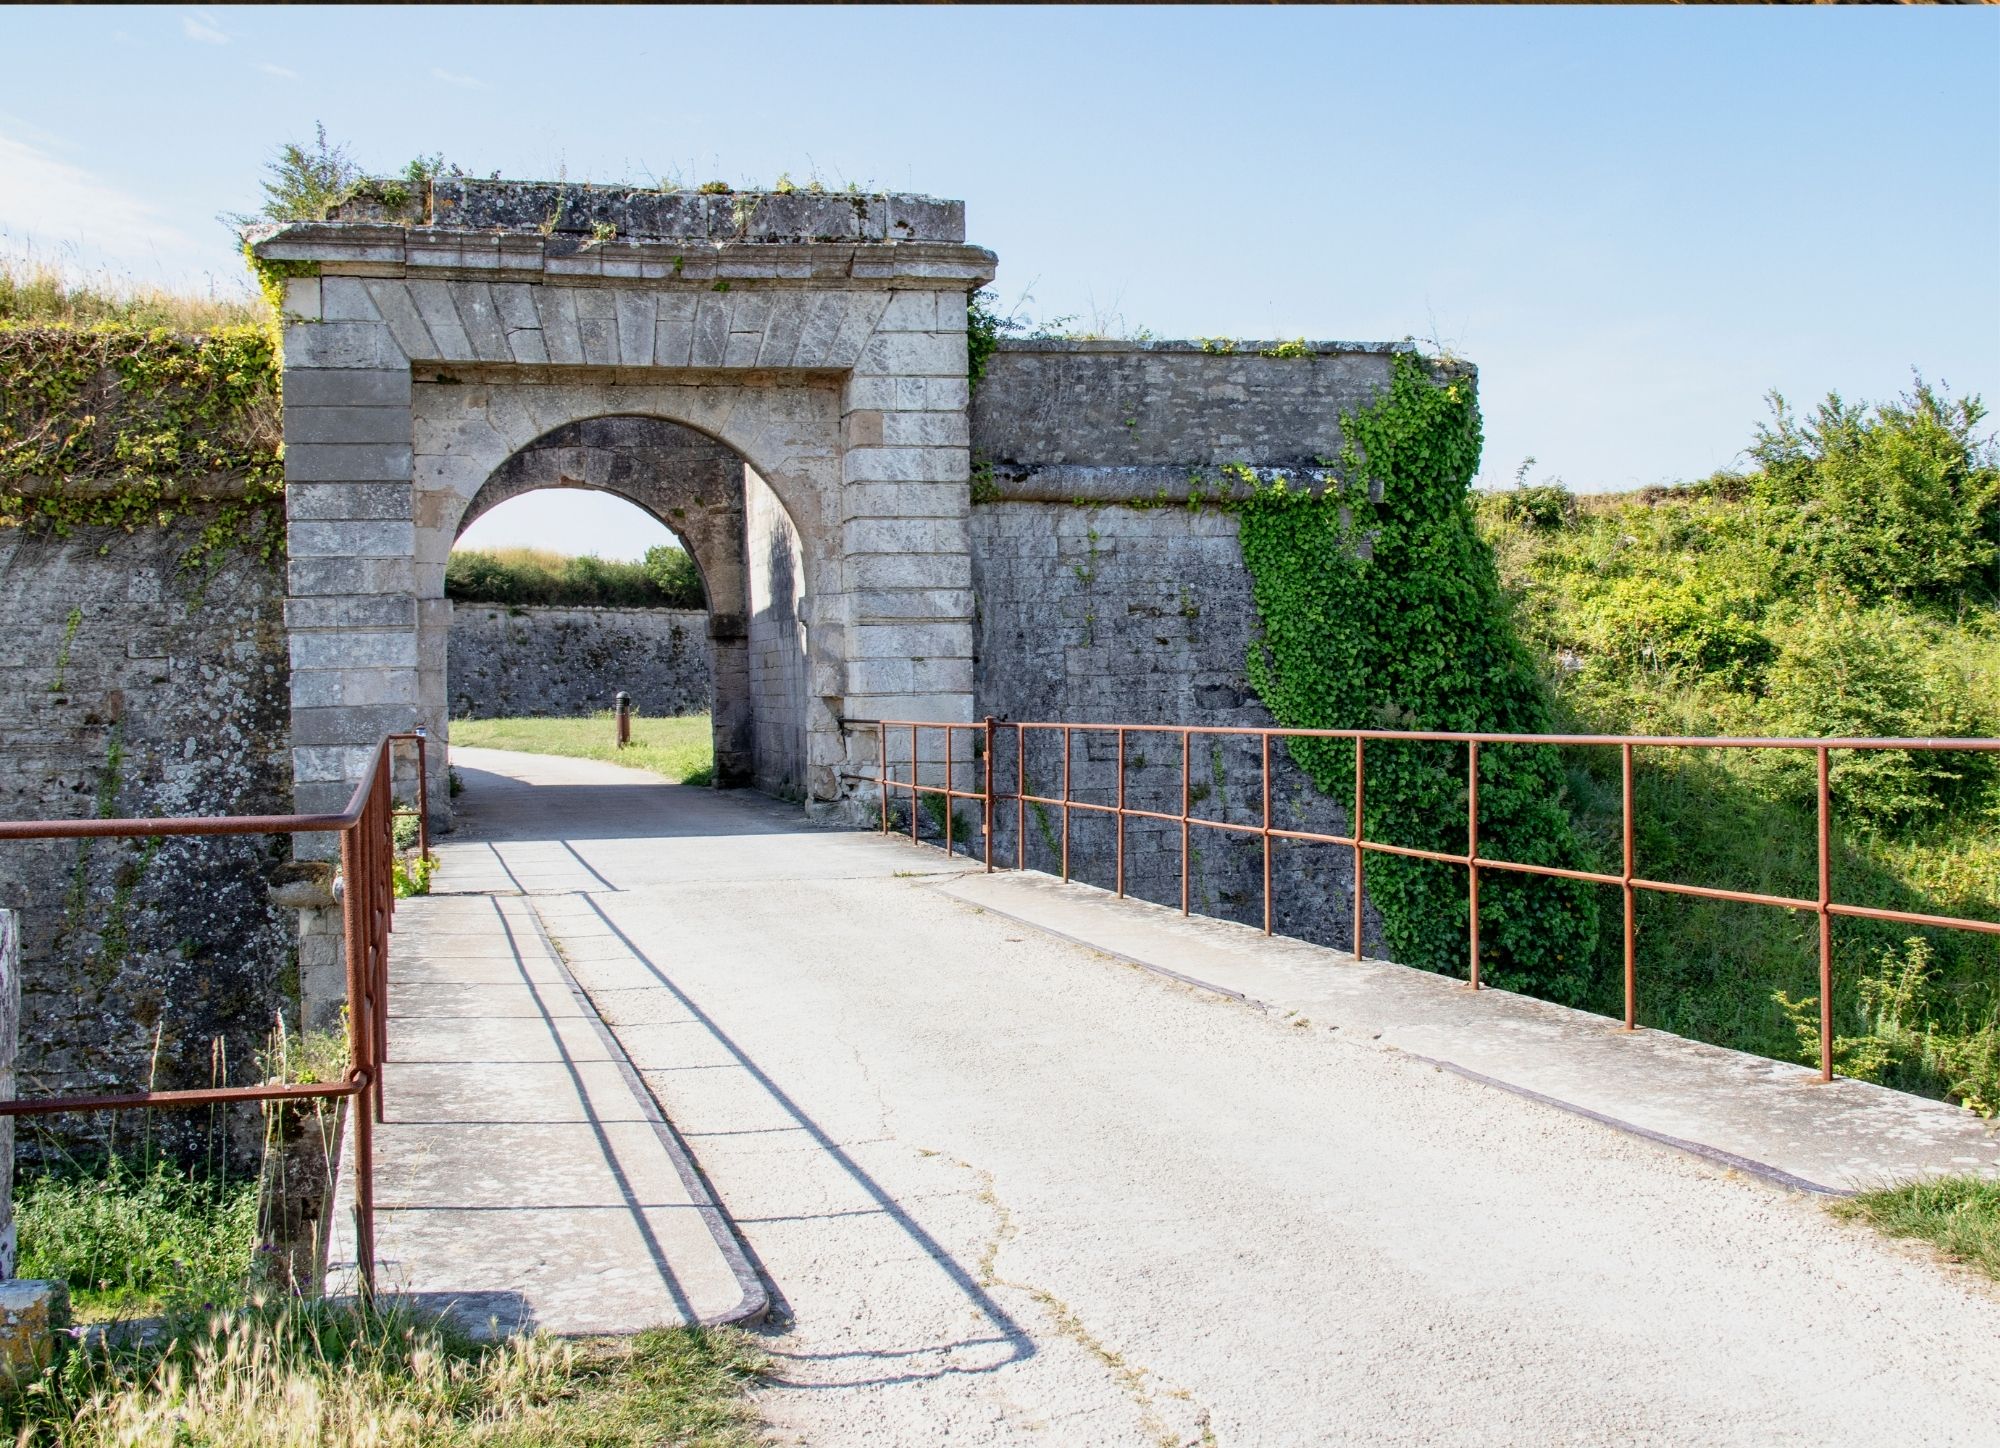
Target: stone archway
{"x": 431, "y": 336}
{"x": 692, "y": 485}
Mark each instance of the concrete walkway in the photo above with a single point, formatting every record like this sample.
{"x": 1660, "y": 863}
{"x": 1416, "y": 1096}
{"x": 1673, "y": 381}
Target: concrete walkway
{"x": 1004, "y": 1188}
{"x": 525, "y": 1179}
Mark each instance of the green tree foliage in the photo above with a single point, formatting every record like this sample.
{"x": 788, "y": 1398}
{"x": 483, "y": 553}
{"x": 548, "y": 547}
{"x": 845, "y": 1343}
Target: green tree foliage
{"x": 1841, "y": 588}
{"x": 524, "y": 576}
{"x": 1389, "y": 614}
{"x": 674, "y": 574}
{"x": 1899, "y": 501}
{"x": 303, "y": 182}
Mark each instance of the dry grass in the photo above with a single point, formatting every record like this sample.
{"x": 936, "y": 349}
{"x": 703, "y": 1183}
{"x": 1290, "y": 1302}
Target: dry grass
{"x": 36, "y": 292}
{"x": 322, "y": 1375}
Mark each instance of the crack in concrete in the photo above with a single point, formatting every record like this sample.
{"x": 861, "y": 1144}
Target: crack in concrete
{"x": 1133, "y": 1378}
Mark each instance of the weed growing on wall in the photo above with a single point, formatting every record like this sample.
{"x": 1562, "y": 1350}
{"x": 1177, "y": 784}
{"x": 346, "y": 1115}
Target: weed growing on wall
{"x": 1381, "y": 609}
{"x": 119, "y": 426}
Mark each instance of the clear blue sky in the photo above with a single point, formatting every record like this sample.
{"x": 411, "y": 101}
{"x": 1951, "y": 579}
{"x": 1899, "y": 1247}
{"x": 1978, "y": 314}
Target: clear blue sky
{"x": 1634, "y": 220}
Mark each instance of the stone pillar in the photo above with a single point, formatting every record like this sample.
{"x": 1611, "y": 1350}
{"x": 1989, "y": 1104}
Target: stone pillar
{"x": 352, "y": 607}
{"x": 906, "y": 509}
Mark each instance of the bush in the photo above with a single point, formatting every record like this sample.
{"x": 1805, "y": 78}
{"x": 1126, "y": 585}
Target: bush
{"x": 530, "y": 576}
{"x": 1900, "y": 502}
{"x": 1852, "y": 672}
{"x": 124, "y": 1234}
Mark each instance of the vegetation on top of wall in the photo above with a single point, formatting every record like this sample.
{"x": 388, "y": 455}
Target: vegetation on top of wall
{"x": 667, "y": 578}
{"x": 108, "y": 422}
{"x": 1844, "y": 586}
{"x": 1381, "y": 609}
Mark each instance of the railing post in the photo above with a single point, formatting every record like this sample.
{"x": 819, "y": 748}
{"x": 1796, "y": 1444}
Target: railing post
{"x": 1358, "y": 743}
{"x": 986, "y": 805}
{"x": 882, "y": 769}
{"x": 423, "y": 793}
{"x": 1631, "y": 922}
{"x": 360, "y": 1047}
{"x": 916, "y": 776}
{"x": 1020, "y": 796}
{"x": 1472, "y": 850}
{"x": 1825, "y": 922}
{"x": 950, "y": 767}
{"x": 1119, "y": 819}
{"x": 1186, "y": 745}
{"x": 1065, "y": 804}
{"x": 1265, "y": 740}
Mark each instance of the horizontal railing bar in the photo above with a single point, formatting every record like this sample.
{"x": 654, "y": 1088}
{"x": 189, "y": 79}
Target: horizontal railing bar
{"x": 1441, "y": 736}
{"x": 1910, "y": 917}
{"x": 1705, "y": 892}
{"x": 174, "y": 1100}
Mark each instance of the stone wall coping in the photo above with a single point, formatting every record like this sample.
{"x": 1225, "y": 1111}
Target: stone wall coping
{"x": 1214, "y": 347}
{"x": 594, "y": 610}
{"x": 578, "y": 209}
{"x": 344, "y": 248}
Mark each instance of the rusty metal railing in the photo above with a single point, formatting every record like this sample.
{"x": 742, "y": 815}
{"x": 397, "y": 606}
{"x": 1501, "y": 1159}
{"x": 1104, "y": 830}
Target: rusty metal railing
{"x": 366, "y": 894}
{"x": 1628, "y": 880}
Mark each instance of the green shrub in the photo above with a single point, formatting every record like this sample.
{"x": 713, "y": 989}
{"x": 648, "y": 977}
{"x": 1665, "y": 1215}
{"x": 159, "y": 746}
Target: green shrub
{"x": 1417, "y": 635}
{"x": 123, "y": 1234}
{"x": 531, "y": 576}
{"x": 1903, "y": 501}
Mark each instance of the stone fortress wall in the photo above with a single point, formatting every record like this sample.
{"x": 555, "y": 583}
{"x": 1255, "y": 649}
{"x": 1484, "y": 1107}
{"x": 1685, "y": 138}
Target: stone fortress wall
{"x": 897, "y": 547}
{"x": 529, "y": 660}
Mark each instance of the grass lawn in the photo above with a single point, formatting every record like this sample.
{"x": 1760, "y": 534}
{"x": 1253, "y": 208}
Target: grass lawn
{"x": 681, "y": 751}
{"x": 1960, "y": 1216}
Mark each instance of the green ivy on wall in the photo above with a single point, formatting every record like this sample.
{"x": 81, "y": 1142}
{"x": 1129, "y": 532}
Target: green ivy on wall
{"x": 115, "y": 426}
{"x": 1407, "y": 629}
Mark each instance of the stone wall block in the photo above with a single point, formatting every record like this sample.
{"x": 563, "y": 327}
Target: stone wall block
{"x": 435, "y": 304}
{"x": 481, "y": 320}
{"x": 368, "y": 345}
{"x": 638, "y": 315}
{"x": 597, "y": 326}
{"x": 557, "y": 309}
{"x": 382, "y": 610}
{"x": 711, "y": 331}
{"x": 789, "y": 310}
{"x": 355, "y": 648}
{"x": 905, "y": 464}
{"x": 907, "y": 605}
{"x": 352, "y": 538}
{"x": 395, "y": 306}
{"x": 338, "y": 502}
{"x": 345, "y": 387}
{"x": 864, "y": 310}
{"x": 900, "y": 569}
{"x": 673, "y": 328}
{"x": 822, "y": 326}
{"x": 332, "y": 688}
{"x": 902, "y": 535}
{"x": 346, "y": 299}
{"x": 345, "y": 462}
{"x": 346, "y": 425}
{"x": 948, "y": 640}
{"x": 339, "y": 764}
{"x": 910, "y": 312}
{"x": 926, "y": 429}
{"x": 914, "y": 354}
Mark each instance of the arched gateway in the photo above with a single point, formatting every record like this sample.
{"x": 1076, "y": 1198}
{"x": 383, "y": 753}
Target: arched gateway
{"x": 443, "y": 349}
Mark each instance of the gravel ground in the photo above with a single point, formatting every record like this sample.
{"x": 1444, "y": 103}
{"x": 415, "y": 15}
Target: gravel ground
{"x": 1007, "y": 1190}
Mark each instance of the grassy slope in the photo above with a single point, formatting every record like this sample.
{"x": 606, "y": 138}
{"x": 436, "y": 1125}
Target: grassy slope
{"x": 681, "y": 751}
{"x": 1664, "y": 615}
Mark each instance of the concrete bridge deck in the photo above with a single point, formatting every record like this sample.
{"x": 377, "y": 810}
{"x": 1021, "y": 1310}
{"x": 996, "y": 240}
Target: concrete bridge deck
{"x": 1002, "y": 1187}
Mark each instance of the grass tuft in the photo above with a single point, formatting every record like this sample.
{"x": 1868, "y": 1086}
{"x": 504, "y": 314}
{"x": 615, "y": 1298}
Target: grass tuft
{"x": 1960, "y": 1216}
{"x": 320, "y": 1374}
{"x": 680, "y": 751}
{"x": 39, "y": 293}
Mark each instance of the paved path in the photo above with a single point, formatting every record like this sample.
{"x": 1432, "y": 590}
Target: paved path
{"x": 524, "y": 1177}
{"x": 1006, "y": 1189}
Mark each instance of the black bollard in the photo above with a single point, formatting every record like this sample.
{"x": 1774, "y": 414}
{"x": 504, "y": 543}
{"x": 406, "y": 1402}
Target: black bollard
{"x": 624, "y": 718}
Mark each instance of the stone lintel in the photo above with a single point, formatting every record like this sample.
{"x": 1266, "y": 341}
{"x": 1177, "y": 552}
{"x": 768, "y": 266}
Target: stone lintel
{"x": 368, "y": 249}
